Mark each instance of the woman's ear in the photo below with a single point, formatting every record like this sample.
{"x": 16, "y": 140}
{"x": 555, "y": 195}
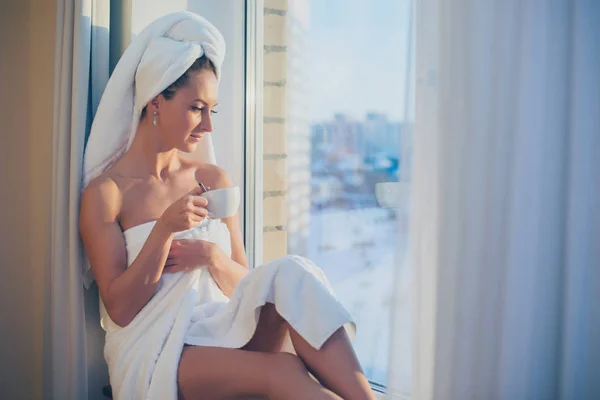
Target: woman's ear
{"x": 155, "y": 103}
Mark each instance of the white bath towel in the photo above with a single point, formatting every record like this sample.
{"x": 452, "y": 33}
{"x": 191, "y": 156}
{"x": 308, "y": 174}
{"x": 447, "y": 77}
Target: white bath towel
{"x": 189, "y": 308}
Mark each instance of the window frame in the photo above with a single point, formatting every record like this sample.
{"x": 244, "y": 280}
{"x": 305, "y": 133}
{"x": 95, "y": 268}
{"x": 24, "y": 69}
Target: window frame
{"x": 253, "y": 136}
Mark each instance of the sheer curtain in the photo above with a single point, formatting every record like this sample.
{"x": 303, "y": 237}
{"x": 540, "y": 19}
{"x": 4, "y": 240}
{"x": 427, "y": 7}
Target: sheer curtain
{"x": 505, "y": 227}
{"x": 73, "y": 352}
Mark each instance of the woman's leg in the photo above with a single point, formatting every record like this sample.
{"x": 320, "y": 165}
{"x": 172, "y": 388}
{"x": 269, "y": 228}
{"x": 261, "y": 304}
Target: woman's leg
{"x": 219, "y": 373}
{"x": 335, "y": 364}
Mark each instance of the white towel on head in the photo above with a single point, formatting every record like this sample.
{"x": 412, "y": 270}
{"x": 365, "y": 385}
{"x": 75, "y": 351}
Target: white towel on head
{"x": 155, "y": 59}
{"x": 161, "y": 53}
{"x": 163, "y": 60}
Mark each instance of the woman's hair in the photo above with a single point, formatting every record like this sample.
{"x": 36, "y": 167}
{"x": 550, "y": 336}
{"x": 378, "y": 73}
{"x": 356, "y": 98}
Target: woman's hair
{"x": 202, "y": 63}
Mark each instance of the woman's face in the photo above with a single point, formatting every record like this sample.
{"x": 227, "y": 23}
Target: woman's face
{"x": 185, "y": 118}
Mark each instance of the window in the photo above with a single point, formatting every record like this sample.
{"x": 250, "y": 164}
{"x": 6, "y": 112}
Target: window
{"x": 330, "y": 132}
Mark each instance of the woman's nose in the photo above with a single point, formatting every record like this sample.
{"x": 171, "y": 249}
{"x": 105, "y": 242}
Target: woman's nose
{"x": 206, "y": 124}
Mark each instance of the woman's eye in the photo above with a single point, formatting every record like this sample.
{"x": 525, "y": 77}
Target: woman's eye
{"x": 199, "y": 109}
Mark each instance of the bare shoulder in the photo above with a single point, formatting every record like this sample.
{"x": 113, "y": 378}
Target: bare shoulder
{"x": 212, "y": 175}
{"x": 101, "y": 199}
{"x": 101, "y": 233}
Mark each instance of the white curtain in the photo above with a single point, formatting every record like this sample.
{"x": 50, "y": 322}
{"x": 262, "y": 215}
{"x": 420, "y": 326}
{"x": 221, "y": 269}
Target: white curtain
{"x": 505, "y": 232}
{"x": 74, "y": 351}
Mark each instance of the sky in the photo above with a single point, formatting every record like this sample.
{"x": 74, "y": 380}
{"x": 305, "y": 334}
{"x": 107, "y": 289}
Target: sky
{"x": 357, "y": 57}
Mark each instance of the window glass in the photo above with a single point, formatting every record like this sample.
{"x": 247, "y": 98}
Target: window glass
{"x": 335, "y": 134}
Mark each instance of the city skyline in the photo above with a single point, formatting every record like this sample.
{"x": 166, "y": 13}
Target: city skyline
{"x": 355, "y": 117}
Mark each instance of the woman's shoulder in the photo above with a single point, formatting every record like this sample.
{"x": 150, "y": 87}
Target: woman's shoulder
{"x": 102, "y": 196}
{"x": 103, "y": 185}
{"x": 211, "y": 175}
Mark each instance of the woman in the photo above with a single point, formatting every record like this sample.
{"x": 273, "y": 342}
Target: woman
{"x": 184, "y": 316}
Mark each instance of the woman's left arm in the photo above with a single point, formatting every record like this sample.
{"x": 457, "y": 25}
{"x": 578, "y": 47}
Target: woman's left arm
{"x": 228, "y": 271}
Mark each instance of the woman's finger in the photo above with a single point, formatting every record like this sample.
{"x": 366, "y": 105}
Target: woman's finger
{"x": 196, "y": 200}
{"x": 170, "y": 267}
{"x": 195, "y": 215}
{"x": 200, "y": 201}
{"x": 200, "y": 211}
{"x": 197, "y": 191}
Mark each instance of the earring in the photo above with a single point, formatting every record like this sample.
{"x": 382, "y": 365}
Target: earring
{"x": 154, "y": 119}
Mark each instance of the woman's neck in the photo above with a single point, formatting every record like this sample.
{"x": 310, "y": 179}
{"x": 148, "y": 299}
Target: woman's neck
{"x": 148, "y": 156}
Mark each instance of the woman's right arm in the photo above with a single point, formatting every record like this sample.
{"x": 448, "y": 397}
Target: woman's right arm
{"x": 124, "y": 291}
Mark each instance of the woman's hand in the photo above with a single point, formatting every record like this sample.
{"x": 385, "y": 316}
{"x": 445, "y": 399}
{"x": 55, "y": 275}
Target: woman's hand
{"x": 188, "y": 254}
{"x": 185, "y": 213}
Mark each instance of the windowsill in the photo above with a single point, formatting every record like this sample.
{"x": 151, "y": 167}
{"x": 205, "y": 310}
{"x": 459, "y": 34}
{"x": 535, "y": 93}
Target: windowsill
{"x": 380, "y": 396}
{"x": 378, "y": 390}
{"x": 385, "y": 396}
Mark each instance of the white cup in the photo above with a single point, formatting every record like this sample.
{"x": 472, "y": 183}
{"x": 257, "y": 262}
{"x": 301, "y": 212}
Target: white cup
{"x": 222, "y": 203}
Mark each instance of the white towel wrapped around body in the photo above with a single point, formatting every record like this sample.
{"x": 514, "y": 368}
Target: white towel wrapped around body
{"x": 189, "y": 308}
